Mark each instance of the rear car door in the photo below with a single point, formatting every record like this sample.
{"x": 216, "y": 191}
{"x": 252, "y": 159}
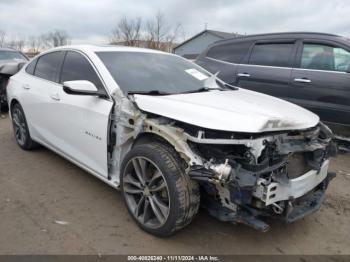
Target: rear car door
{"x": 268, "y": 67}
{"x": 82, "y": 122}
{"x": 321, "y": 80}
{"x": 224, "y": 59}
{"x": 40, "y": 85}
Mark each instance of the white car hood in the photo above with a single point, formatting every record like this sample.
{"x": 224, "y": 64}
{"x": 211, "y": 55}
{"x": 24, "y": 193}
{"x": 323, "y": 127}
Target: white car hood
{"x": 238, "y": 110}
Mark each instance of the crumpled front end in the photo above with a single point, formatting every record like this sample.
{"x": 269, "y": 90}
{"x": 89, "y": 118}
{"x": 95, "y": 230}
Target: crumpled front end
{"x": 244, "y": 177}
{"x": 248, "y": 177}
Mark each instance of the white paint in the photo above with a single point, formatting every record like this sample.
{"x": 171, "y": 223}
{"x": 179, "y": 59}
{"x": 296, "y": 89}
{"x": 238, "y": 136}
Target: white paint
{"x": 81, "y": 85}
{"x": 238, "y": 111}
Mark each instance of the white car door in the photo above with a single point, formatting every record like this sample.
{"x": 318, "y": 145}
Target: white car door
{"x": 38, "y": 84}
{"x": 81, "y": 122}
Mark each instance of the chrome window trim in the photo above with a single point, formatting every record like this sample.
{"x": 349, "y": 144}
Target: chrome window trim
{"x": 294, "y": 68}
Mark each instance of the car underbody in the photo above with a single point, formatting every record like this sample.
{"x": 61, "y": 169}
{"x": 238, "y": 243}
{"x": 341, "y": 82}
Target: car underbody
{"x": 243, "y": 176}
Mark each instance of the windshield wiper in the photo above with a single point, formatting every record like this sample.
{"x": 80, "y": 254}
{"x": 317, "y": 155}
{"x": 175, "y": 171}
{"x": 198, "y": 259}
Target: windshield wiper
{"x": 150, "y": 92}
{"x": 203, "y": 89}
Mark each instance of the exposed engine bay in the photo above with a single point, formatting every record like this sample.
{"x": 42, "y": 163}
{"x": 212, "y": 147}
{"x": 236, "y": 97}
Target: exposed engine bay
{"x": 279, "y": 175}
{"x": 243, "y": 176}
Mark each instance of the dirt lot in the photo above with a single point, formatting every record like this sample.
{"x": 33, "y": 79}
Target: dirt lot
{"x": 39, "y": 189}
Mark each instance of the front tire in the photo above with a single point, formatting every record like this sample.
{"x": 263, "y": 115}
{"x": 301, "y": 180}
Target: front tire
{"x": 20, "y": 128}
{"x": 159, "y": 195}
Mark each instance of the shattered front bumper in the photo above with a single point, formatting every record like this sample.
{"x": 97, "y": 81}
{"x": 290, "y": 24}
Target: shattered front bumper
{"x": 309, "y": 203}
{"x": 298, "y": 200}
{"x": 299, "y": 197}
{"x": 296, "y": 208}
{"x": 283, "y": 176}
{"x": 293, "y": 188}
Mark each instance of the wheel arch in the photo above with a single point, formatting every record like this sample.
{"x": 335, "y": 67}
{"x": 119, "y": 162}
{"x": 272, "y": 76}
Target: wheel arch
{"x": 13, "y": 102}
{"x": 148, "y": 137}
{"x": 176, "y": 143}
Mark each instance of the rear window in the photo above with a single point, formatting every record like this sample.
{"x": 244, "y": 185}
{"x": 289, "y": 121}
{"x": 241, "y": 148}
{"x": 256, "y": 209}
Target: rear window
{"x": 232, "y": 53}
{"x": 325, "y": 57}
{"x": 271, "y": 54}
{"x": 31, "y": 67}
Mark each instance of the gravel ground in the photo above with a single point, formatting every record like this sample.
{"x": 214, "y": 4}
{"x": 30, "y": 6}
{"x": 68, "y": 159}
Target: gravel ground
{"x": 50, "y": 206}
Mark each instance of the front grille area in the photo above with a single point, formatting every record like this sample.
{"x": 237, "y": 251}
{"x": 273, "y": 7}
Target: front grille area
{"x": 297, "y": 165}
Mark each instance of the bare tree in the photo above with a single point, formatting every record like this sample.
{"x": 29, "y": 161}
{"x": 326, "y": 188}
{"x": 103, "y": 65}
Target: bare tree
{"x": 16, "y": 42}
{"x": 171, "y": 38}
{"x": 156, "y": 31}
{"x": 127, "y": 32}
{"x": 155, "y": 34}
{"x": 35, "y": 44}
{"x": 2, "y": 38}
{"x": 55, "y": 38}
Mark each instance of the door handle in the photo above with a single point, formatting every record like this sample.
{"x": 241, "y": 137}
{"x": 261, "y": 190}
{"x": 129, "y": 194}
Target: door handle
{"x": 243, "y": 75}
{"x": 26, "y": 87}
{"x": 302, "y": 80}
{"x": 55, "y": 97}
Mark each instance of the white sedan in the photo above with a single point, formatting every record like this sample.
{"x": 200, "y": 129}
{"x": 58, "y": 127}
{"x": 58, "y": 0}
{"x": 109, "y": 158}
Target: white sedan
{"x": 171, "y": 135}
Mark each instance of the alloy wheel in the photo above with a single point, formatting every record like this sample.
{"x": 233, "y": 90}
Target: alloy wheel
{"x": 146, "y": 192}
{"x": 19, "y": 126}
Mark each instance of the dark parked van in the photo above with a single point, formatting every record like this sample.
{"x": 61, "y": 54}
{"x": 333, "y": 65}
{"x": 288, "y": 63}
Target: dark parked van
{"x": 308, "y": 69}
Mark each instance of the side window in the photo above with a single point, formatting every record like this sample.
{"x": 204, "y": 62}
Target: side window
{"x": 272, "y": 54}
{"x": 48, "y": 66}
{"x": 325, "y": 57}
{"x": 31, "y": 67}
{"x": 232, "y": 53}
{"x": 77, "y": 67}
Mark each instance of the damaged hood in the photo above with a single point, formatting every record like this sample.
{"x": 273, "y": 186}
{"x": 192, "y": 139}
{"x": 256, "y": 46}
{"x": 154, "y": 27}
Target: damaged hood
{"x": 238, "y": 110}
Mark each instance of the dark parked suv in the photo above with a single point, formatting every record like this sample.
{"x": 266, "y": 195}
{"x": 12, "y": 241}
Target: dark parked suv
{"x": 308, "y": 69}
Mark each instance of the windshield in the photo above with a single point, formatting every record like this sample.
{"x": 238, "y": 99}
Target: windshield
{"x": 138, "y": 72}
{"x": 11, "y": 55}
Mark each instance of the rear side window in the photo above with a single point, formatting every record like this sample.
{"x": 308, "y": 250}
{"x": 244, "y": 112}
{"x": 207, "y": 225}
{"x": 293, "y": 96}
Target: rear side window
{"x": 49, "y": 65}
{"x": 77, "y": 67}
{"x": 232, "y": 53}
{"x": 325, "y": 57}
{"x": 31, "y": 67}
{"x": 272, "y": 54}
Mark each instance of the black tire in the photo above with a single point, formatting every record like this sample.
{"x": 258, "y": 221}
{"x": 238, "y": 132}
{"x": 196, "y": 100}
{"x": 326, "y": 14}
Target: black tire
{"x": 182, "y": 196}
{"x": 20, "y": 128}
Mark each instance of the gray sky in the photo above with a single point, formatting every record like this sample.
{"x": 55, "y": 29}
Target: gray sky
{"x": 91, "y": 21}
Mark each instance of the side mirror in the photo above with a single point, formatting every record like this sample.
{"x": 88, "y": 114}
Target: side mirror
{"x": 81, "y": 87}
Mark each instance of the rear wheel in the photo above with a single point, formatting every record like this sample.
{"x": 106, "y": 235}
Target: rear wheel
{"x": 20, "y": 128}
{"x": 158, "y": 194}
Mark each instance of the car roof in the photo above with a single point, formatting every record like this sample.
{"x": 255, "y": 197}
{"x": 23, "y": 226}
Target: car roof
{"x": 106, "y": 48}
{"x": 271, "y": 36}
{"x": 8, "y": 49}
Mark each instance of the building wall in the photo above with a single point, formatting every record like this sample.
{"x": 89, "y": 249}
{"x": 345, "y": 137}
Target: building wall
{"x": 196, "y": 45}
